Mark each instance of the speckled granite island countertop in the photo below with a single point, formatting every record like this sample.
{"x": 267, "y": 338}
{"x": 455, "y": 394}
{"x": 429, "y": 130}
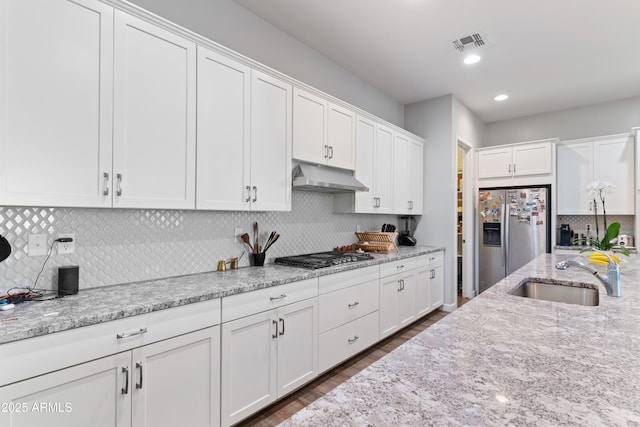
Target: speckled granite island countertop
{"x": 504, "y": 360}
{"x": 93, "y": 306}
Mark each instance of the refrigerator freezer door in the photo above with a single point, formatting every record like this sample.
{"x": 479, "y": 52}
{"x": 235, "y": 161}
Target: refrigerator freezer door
{"x": 491, "y": 248}
{"x": 527, "y": 226}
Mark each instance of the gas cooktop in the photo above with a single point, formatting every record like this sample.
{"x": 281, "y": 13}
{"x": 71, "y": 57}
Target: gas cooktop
{"x": 322, "y": 259}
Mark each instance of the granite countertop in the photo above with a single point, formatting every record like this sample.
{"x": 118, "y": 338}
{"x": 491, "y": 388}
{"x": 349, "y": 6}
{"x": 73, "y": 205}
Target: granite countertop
{"x": 93, "y": 306}
{"x": 505, "y": 360}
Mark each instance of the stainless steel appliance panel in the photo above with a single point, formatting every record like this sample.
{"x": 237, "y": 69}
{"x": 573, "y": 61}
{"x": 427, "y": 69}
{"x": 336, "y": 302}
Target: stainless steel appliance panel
{"x": 491, "y": 252}
{"x": 527, "y": 226}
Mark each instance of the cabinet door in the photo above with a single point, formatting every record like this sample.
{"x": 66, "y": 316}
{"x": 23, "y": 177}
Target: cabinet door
{"x": 309, "y": 127}
{"x": 574, "y": 173}
{"x": 532, "y": 159}
{"x": 384, "y": 169}
{"x": 176, "y": 381}
{"x": 400, "y": 174}
{"x": 341, "y": 131}
{"x": 436, "y": 287}
{"x": 270, "y": 143}
{"x": 613, "y": 161}
{"x": 389, "y": 305}
{"x": 297, "y": 345}
{"x": 494, "y": 163}
{"x": 154, "y": 116}
{"x": 224, "y": 103}
{"x": 95, "y": 393}
{"x": 423, "y": 285}
{"x": 365, "y": 166}
{"x": 416, "y": 174}
{"x": 407, "y": 296}
{"x": 56, "y": 82}
{"x": 249, "y": 355}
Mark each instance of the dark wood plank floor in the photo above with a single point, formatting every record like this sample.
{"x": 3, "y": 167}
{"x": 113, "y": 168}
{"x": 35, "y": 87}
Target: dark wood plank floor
{"x": 281, "y": 410}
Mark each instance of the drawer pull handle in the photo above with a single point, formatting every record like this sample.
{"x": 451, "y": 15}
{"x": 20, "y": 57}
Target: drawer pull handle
{"x": 282, "y": 296}
{"x": 125, "y": 371}
{"x": 139, "y": 366}
{"x": 400, "y": 266}
{"x": 131, "y": 334}
{"x": 354, "y": 339}
{"x": 354, "y": 304}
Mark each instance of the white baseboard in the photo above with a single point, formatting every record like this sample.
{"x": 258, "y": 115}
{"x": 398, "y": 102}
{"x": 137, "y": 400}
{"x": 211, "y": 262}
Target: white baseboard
{"x": 449, "y": 307}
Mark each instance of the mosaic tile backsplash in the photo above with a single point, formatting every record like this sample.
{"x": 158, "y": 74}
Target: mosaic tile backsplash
{"x": 579, "y": 223}
{"x": 118, "y": 245}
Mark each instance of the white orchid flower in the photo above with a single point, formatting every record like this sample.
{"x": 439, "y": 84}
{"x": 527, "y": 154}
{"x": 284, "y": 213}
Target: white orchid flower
{"x": 599, "y": 188}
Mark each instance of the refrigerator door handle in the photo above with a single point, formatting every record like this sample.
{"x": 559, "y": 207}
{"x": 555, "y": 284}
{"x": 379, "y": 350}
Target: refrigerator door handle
{"x": 504, "y": 234}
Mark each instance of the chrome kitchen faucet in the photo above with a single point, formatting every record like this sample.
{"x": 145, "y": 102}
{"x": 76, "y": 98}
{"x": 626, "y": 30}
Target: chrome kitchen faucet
{"x": 611, "y": 283}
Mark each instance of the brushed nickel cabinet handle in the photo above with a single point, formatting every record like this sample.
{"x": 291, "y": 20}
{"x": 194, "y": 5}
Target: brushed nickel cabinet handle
{"x": 119, "y": 184}
{"x": 255, "y": 194}
{"x": 354, "y": 339}
{"x": 282, "y": 296}
{"x": 248, "y": 199}
{"x": 326, "y": 151}
{"x": 275, "y": 328}
{"x": 105, "y": 188}
{"x": 355, "y": 304}
{"x": 125, "y": 371}
{"x": 132, "y": 334}
{"x": 282, "y": 324}
{"x": 331, "y": 152}
{"x": 139, "y": 366}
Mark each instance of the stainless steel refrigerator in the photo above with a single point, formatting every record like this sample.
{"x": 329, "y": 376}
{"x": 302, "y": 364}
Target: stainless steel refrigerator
{"x": 514, "y": 225}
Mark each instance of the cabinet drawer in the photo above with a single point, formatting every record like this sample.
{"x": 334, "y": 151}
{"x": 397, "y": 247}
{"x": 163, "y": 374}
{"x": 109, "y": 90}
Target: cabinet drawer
{"x": 334, "y": 282}
{"x": 427, "y": 259}
{"x": 47, "y": 353}
{"x": 341, "y": 343}
{"x": 399, "y": 266}
{"x": 340, "y": 307}
{"x": 248, "y": 303}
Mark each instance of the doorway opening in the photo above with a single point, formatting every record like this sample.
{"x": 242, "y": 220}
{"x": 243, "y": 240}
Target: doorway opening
{"x": 464, "y": 227}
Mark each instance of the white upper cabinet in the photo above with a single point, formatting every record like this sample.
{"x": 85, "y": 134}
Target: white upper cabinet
{"x": 56, "y": 85}
{"x": 224, "y": 139}
{"x": 309, "y": 127}
{"x": 154, "y": 140}
{"x": 374, "y": 161}
{"x": 271, "y": 113}
{"x": 323, "y": 133}
{"x": 607, "y": 159}
{"x": 341, "y": 133}
{"x": 401, "y": 174}
{"x": 416, "y": 176}
{"x": 515, "y": 160}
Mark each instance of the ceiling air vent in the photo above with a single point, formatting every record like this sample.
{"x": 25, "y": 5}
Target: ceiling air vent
{"x": 462, "y": 42}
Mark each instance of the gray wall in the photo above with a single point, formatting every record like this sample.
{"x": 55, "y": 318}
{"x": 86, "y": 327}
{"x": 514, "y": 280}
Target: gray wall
{"x": 234, "y": 27}
{"x": 593, "y": 120}
{"x": 432, "y": 120}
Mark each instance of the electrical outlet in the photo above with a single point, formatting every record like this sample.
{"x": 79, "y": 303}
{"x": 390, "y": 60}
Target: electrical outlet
{"x": 36, "y": 244}
{"x": 237, "y": 232}
{"x": 66, "y": 248}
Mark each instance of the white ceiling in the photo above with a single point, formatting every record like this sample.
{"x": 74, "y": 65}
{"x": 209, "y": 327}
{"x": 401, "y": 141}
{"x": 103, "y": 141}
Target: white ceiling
{"x": 546, "y": 55}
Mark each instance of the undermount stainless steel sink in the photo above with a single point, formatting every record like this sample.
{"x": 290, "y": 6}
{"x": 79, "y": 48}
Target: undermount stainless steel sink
{"x": 567, "y": 292}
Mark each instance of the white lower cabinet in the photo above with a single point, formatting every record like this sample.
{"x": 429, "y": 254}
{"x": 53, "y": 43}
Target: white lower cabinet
{"x": 429, "y": 283}
{"x": 348, "y": 312}
{"x": 168, "y": 383}
{"x": 267, "y": 355}
{"x": 397, "y": 305}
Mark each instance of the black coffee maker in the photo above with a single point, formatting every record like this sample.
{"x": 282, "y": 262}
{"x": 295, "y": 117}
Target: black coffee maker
{"x": 406, "y": 236}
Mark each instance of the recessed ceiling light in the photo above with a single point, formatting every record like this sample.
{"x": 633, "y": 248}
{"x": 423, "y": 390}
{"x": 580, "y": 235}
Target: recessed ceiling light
{"x": 502, "y": 397}
{"x": 501, "y": 97}
{"x": 471, "y": 59}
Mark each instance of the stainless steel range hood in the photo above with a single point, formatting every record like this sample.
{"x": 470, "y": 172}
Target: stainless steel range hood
{"x": 325, "y": 179}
